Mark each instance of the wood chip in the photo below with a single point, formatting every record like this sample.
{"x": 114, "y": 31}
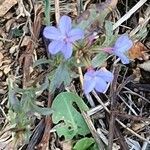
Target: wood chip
{"x": 5, "y": 5}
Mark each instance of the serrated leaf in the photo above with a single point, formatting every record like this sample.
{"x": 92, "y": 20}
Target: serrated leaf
{"x": 67, "y": 116}
{"x": 84, "y": 144}
{"x": 99, "y": 59}
{"x": 62, "y": 75}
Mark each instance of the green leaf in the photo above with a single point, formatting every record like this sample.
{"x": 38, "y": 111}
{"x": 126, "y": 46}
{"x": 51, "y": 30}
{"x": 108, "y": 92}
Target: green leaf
{"x": 42, "y": 111}
{"x": 66, "y": 115}
{"x": 13, "y": 101}
{"x": 109, "y": 28}
{"x": 16, "y": 32}
{"x": 95, "y": 147}
{"x": 99, "y": 59}
{"x": 84, "y": 144}
{"x": 42, "y": 61}
{"x": 94, "y": 15}
{"x": 62, "y": 75}
{"x": 109, "y": 38}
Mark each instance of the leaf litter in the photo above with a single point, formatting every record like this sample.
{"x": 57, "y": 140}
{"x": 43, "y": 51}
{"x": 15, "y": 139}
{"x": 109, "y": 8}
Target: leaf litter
{"x": 25, "y": 90}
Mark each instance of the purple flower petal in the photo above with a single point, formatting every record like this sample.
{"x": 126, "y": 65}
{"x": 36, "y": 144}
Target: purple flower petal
{"x": 96, "y": 80}
{"x": 65, "y": 25}
{"x": 52, "y": 33}
{"x": 123, "y": 44}
{"x": 105, "y": 74}
{"x": 55, "y": 46}
{"x": 123, "y": 57}
{"x": 101, "y": 85}
{"x": 75, "y": 34}
{"x": 67, "y": 50}
{"x": 88, "y": 86}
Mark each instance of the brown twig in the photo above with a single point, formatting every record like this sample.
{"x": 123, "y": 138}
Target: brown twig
{"x": 132, "y": 117}
{"x": 121, "y": 139}
{"x": 113, "y": 107}
{"x": 122, "y": 124}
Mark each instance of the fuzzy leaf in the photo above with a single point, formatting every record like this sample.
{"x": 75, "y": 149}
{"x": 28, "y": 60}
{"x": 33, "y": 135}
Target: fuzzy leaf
{"x": 99, "y": 59}
{"x": 41, "y": 110}
{"x": 62, "y": 75}
{"x": 109, "y": 38}
{"x": 66, "y": 115}
{"x": 42, "y": 61}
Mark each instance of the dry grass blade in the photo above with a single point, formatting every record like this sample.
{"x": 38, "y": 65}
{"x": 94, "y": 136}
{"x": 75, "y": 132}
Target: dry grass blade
{"x": 93, "y": 131}
{"x": 122, "y": 124}
{"x": 57, "y": 11}
{"x": 129, "y": 13}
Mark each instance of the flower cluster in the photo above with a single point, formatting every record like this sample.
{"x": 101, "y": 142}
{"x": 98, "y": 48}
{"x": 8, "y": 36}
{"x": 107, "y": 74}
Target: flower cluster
{"x": 63, "y": 37}
{"x": 62, "y": 40}
{"x": 97, "y": 80}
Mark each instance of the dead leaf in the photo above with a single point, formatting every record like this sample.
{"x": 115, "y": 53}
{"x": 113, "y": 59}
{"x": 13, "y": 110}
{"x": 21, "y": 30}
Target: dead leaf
{"x": 7, "y": 69}
{"x": 5, "y": 5}
{"x": 137, "y": 126}
{"x": 1, "y": 56}
{"x": 145, "y": 66}
{"x": 137, "y": 51}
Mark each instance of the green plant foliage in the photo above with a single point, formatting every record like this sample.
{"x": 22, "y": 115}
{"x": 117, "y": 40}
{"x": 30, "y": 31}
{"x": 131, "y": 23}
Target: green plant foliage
{"x": 42, "y": 61}
{"x": 17, "y": 32}
{"x": 99, "y": 59}
{"x": 110, "y": 37}
{"x": 95, "y": 147}
{"x": 67, "y": 107}
{"x": 84, "y": 144}
{"x": 22, "y": 106}
{"x": 95, "y": 13}
{"x": 63, "y": 74}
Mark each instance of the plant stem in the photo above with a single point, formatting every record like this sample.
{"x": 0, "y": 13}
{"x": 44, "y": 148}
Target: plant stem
{"x": 47, "y": 11}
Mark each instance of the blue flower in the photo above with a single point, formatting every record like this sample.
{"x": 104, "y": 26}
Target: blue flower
{"x": 63, "y": 37}
{"x": 122, "y": 45}
{"x": 97, "y": 80}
